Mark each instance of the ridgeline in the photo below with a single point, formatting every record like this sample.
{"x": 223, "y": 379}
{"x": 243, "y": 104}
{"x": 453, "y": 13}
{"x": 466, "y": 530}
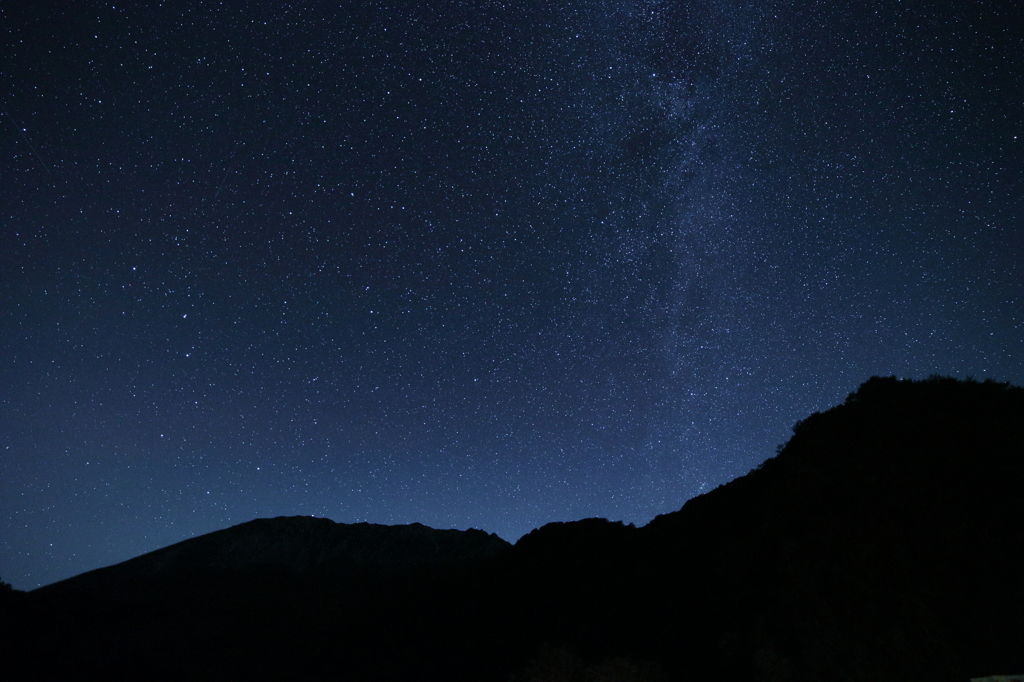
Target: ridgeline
{"x": 884, "y": 541}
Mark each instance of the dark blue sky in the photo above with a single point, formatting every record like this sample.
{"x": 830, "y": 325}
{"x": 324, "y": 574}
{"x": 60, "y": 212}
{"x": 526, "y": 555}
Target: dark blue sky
{"x": 476, "y": 264}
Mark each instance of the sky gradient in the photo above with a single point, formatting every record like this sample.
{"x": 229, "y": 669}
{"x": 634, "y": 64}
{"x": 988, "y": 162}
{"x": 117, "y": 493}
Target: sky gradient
{"x": 476, "y": 264}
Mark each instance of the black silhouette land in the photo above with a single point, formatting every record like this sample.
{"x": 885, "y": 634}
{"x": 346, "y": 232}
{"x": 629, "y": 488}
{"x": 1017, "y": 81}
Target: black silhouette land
{"x": 884, "y": 541}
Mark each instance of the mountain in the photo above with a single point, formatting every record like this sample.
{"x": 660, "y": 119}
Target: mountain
{"x": 295, "y": 548}
{"x": 282, "y": 598}
{"x": 884, "y": 541}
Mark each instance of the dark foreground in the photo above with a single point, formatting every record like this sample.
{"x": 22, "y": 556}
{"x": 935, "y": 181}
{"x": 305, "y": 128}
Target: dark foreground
{"x": 884, "y": 542}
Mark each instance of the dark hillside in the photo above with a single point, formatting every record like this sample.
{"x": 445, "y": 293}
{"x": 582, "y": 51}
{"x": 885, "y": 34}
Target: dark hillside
{"x": 883, "y": 542}
{"x": 295, "y": 548}
{"x": 275, "y": 598}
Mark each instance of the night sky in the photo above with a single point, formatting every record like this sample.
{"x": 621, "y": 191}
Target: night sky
{"x": 476, "y": 264}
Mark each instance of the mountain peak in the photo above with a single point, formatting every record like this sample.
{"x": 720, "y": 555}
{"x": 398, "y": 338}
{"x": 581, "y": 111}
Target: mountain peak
{"x": 299, "y": 545}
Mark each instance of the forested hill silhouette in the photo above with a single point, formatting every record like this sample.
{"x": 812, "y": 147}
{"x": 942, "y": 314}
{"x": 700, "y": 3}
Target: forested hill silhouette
{"x": 884, "y": 541}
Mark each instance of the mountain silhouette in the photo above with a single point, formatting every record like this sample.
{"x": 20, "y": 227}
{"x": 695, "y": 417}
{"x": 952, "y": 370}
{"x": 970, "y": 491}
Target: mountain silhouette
{"x": 292, "y": 548}
{"x": 884, "y": 541}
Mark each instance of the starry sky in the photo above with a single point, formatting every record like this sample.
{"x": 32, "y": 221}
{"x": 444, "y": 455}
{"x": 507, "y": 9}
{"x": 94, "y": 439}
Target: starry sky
{"x": 476, "y": 263}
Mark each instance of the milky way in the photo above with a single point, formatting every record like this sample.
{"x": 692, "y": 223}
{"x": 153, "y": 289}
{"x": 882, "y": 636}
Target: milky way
{"x": 476, "y": 264}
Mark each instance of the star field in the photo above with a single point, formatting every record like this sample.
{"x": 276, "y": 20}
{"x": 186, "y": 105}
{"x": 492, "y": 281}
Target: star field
{"x": 476, "y": 264}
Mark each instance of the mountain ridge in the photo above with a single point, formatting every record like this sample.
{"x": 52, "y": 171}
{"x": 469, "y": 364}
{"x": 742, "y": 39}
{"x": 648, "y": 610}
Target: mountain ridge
{"x": 302, "y": 546}
{"x": 882, "y": 542}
